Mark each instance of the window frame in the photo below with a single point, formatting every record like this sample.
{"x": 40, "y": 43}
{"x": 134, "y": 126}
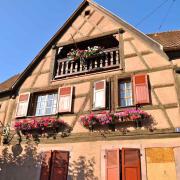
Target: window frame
{"x": 35, "y": 101}
{"x": 126, "y": 79}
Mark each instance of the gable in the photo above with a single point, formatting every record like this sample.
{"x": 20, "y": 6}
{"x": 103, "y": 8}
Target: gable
{"x": 89, "y": 22}
{"x": 90, "y": 19}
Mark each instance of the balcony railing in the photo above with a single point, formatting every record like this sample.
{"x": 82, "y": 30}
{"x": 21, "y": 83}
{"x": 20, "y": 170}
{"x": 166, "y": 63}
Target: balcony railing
{"x": 107, "y": 60}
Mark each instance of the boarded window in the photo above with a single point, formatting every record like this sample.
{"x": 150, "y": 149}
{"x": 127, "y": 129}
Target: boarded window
{"x": 141, "y": 90}
{"x": 22, "y": 106}
{"x": 160, "y": 164}
{"x": 99, "y": 98}
{"x": 112, "y": 164}
{"x": 65, "y": 99}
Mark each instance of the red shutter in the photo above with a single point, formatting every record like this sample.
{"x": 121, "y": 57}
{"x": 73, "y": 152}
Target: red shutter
{"x": 131, "y": 164}
{"x": 45, "y": 168}
{"x": 60, "y": 162}
{"x": 112, "y": 164}
{"x": 141, "y": 90}
{"x": 99, "y": 94}
{"x": 22, "y": 106}
{"x": 65, "y": 99}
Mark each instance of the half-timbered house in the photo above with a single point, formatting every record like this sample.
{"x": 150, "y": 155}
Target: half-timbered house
{"x": 100, "y": 101}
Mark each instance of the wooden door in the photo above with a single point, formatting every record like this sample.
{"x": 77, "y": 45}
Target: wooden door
{"x": 131, "y": 169}
{"x": 45, "y": 167}
{"x": 112, "y": 164}
{"x": 59, "y": 168}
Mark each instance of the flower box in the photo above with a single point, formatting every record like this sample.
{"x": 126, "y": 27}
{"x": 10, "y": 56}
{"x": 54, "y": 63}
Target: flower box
{"x": 85, "y": 54}
{"x": 111, "y": 119}
{"x": 40, "y": 125}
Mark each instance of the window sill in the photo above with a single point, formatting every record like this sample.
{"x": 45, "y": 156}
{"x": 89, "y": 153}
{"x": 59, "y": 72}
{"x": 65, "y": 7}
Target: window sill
{"x": 100, "y": 109}
{"x": 36, "y": 116}
{"x": 125, "y": 107}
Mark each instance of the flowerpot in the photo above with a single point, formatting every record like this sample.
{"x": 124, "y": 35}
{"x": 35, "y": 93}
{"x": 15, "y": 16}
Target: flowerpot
{"x": 138, "y": 123}
{"x": 112, "y": 127}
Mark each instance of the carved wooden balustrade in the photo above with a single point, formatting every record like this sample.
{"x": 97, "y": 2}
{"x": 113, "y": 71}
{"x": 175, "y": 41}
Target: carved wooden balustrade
{"x": 108, "y": 59}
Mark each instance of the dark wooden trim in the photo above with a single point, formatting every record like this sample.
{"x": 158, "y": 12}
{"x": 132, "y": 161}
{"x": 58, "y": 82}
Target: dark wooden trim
{"x": 95, "y": 26}
{"x": 4, "y": 98}
{"x": 105, "y": 75}
{"x": 5, "y": 113}
{"x": 99, "y": 136}
{"x": 162, "y": 85}
{"x": 52, "y": 66}
{"x": 162, "y": 108}
{"x": 110, "y": 33}
{"x": 115, "y": 93}
{"x": 135, "y": 54}
{"x": 177, "y": 85}
{"x": 91, "y": 94}
{"x": 81, "y": 109}
{"x": 90, "y": 22}
{"x": 121, "y": 51}
{"x": 139, "y": 55}
{"x": 128, "y": 39}
{"x": 37, "y": 74}
{"x": 151, "y": 43}
{"x": 81, "y": 95}
{"x": 84, "y": 22}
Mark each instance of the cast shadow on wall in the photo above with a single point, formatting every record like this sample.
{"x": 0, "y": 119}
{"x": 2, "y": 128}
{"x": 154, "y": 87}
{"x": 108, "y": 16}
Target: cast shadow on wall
{"x": 82, "y": 169}
{"x": 16, "y": 165}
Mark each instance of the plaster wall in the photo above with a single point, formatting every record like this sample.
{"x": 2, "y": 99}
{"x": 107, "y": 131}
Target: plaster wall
{"x": 91, "y": 165}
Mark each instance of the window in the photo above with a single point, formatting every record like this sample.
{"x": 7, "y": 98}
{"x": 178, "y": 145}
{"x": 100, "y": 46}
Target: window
{"x": 123, "y": 164}
{"x": 134, "y": 91}
{"x": 125, "y": 93}
{"x": 46, "y": 104}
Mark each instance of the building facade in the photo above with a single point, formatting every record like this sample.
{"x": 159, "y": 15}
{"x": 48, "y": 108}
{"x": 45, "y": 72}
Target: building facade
{"x": 100, "y": 101}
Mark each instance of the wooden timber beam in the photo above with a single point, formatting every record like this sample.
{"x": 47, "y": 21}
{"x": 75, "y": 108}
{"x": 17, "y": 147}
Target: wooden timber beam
{"x": 90, "y": 38}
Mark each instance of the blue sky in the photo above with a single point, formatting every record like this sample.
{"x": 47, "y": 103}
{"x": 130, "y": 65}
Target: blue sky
{"x": 26, "y": 26}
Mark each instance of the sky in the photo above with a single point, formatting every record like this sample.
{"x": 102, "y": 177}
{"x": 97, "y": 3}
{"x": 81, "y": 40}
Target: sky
{"x": 26, "y": 26}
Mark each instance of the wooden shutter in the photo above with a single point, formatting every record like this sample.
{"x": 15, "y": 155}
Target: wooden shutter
{"x": 45, "y": 167}
{"x": 131, "y": 164}
{"x": 65, "y": 99}
{"x": 141, "y": 90}
{"x": 60, "y": 162}
{"x": 99, "y": 100}
{"x": 112, "y": 164}
{"x": 22, "y": 106}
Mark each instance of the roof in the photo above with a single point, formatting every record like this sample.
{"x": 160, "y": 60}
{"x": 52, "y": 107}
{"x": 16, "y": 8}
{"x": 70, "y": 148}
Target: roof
{"x": 169, "y": 40}
{"x": 6, "y": 85}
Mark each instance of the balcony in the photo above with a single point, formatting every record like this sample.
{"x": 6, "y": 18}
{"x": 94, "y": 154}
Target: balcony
{"x": 109, "y": 59}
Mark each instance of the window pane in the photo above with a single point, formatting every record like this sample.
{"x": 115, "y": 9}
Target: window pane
{"x": 46, "y": 104}
{"x": 50, "y": 96}
{"x": 122, "y": 94}
{"x": 128, "y": 85}
{"x": 49, "y": 103}
{"x": 126, "y": 93}
{"x": 122, "y": 86}
{"x": 123, "y": 102}
{"x": 48, "y": 111}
